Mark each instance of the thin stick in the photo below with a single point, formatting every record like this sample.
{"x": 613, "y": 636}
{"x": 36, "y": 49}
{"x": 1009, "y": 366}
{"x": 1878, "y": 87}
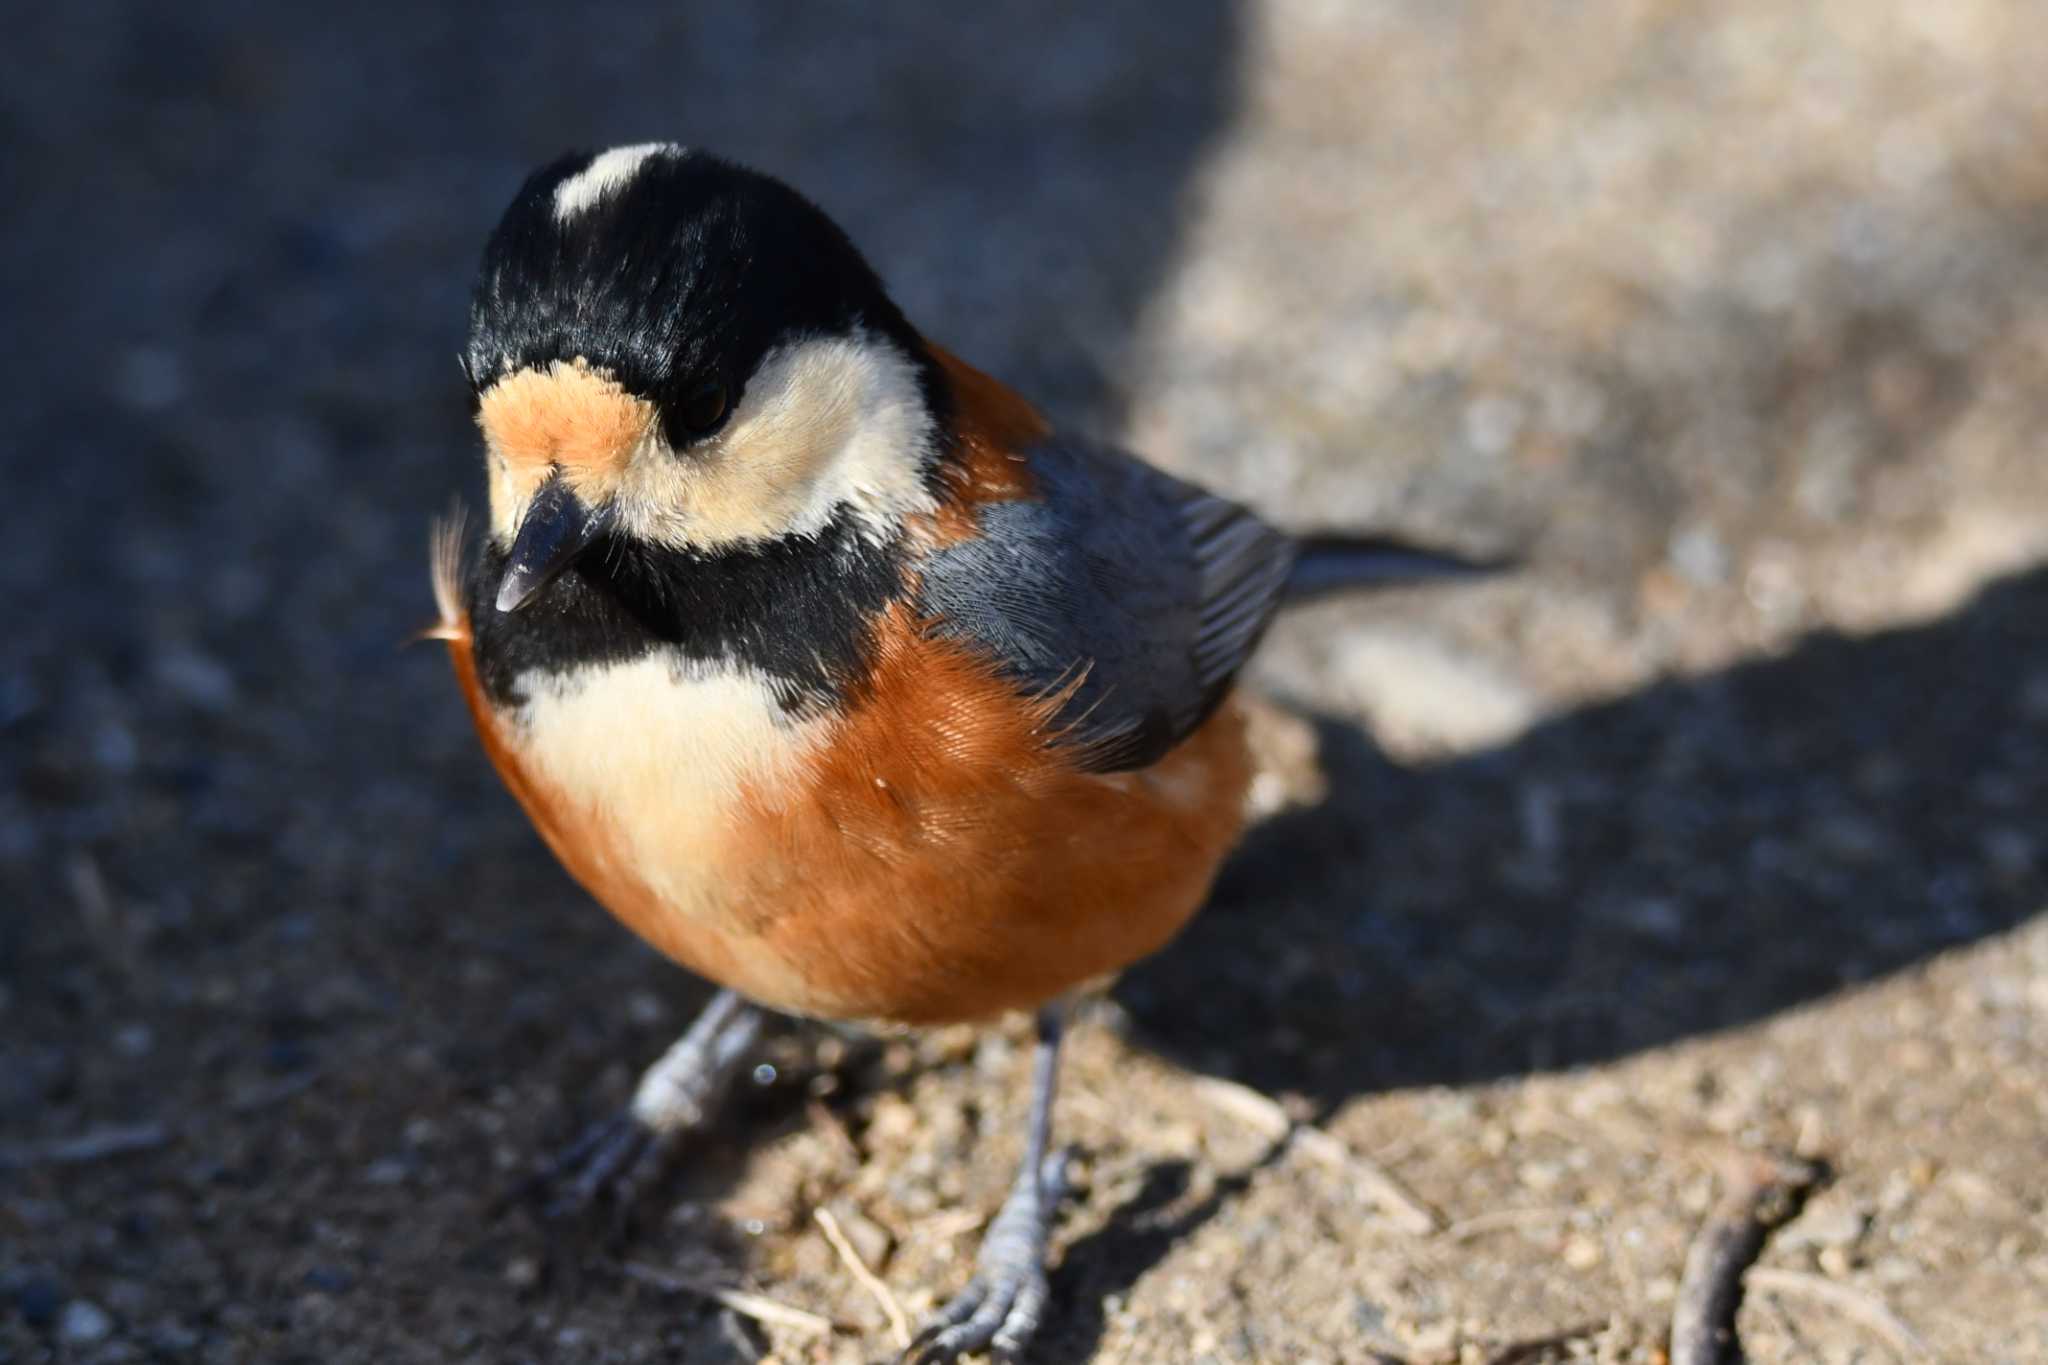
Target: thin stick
{"x": 1761, "y": 1193}
{"x": 956, "y": 1223}
{"x": 1500, "y": 1220}
{"x": 1246, "y": 1105}
{"x": 1851, "y": 1302}
{"x": 1263, "y": 1113}
{"x": 899, "y": 1325}
{"x": 1394, "y": 1199}
{"x": 754, "y": 1306}
{"x": 93, "y": 1145}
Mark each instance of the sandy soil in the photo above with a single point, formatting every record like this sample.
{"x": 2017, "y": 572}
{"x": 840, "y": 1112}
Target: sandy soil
{"x": 1717, "y": 827}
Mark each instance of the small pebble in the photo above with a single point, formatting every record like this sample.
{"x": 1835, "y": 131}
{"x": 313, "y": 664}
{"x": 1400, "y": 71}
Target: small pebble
{"x": 1492, "y": 422}
{"x": 1657, "y": 917}
{"x": 176, "y": 1340}
{"x": 1824, "y": 1228}
{"x": 388, "y": 1171}
{"x": 84, "y": 1322}
{"x": 196, "y": 678}
{"x": 1700, "y": 555}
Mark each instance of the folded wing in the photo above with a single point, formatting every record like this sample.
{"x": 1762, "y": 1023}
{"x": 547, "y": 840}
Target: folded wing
{"x": 1142, "y": 593}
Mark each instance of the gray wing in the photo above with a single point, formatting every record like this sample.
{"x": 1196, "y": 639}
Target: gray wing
{"x": 1149, "y": 590}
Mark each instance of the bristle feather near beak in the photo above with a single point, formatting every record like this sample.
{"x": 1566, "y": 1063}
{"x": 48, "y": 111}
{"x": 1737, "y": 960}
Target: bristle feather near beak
{"x": 446, "y": 543}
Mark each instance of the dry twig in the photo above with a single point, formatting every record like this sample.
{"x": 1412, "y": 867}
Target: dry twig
{"x": 899, "y": 1325}
{"x": 1394, "y": 1199}
{"x": 1246, "y": 1105}
{"x": 1500, "y": 1220}
{"x": 1762, "y": 1191}
{"x": 1264, "y": 1114}
{"x": 754, "y": 1306}
{"x": 93, "y": 1145}
{"x": 1850, "y": 1302}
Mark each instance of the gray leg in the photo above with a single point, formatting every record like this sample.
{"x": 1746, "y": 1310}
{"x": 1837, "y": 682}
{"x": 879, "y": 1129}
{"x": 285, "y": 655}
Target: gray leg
{"x": 623, "y": 1154}
{"x": 1002, "y": 1305}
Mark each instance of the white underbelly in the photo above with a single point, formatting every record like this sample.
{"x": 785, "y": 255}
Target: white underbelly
{"x": 664, "y": 753}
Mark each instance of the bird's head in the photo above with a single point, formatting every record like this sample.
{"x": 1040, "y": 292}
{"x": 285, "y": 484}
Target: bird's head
{"x": 674, "y": 350}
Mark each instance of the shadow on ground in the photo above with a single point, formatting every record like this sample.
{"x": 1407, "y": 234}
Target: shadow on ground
{"x": 1693, "y": 857}
{"x": 1699, "y": 855}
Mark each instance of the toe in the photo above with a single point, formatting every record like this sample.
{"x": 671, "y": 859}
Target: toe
{"x": 634, "y": 1180}
{"x": 957, "y": 1311}
{"x": 621, "y": 1145}
{"x": 1021, "y": 1322}
{"x": 978, "y": 1330}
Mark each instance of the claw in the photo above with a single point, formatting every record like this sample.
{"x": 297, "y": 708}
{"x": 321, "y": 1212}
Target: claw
{"x": 630, "y": 1187}
{"x": 1005, "y": 1301}
{"x": 619, "y": 1159}
{"x": 621, "y": 1139}
{"x": 958, "y": 1311}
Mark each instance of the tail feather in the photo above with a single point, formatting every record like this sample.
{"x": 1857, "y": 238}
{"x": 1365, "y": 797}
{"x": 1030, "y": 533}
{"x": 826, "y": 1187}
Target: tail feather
{"x": 1339, "y": 563}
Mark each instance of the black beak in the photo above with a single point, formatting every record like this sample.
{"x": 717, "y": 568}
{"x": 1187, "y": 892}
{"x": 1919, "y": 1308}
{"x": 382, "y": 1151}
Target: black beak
{"x": 558, "y": 527}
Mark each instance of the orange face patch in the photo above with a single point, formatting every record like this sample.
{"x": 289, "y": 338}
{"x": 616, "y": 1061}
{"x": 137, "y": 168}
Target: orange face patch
{"x": 569, "y": 417}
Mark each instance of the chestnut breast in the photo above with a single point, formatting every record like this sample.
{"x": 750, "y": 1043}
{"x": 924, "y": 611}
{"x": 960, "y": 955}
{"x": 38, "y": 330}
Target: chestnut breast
{"x": 931, "y": 853}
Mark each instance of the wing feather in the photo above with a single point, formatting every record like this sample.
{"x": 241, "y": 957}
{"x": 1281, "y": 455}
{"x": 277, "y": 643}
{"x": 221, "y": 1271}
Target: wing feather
{"x": 1150, "y": 591}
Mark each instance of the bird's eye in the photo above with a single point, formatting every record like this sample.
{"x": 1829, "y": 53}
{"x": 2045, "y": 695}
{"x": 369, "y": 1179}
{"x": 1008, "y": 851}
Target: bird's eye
{"x": 699, "y": 412}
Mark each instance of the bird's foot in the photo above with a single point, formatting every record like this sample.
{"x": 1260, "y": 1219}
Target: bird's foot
{"x": 618, "y": 1159}
{"x": 613, "y": 1161}
{"x": 1003, "y": 1304}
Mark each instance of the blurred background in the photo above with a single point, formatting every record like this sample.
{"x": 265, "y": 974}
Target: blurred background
{"x": 1720, "y": 823}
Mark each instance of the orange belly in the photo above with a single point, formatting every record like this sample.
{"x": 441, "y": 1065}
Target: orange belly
{"x": 934, "y": 859}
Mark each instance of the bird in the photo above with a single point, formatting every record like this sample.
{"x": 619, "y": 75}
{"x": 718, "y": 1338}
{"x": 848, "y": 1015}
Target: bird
{"x": 826, "y": 663}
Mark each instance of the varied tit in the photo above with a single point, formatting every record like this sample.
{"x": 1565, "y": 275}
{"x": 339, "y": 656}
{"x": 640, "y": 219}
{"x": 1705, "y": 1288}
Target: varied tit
{"x": 823, "y": 661}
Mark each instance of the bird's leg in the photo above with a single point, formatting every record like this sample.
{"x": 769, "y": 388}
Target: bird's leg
{"x": 620, "y": 1156}
{"x": 1001, "y": 1306}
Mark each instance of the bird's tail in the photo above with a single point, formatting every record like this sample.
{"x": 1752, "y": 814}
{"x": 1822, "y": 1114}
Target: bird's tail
{"x": 1339, "y": 563}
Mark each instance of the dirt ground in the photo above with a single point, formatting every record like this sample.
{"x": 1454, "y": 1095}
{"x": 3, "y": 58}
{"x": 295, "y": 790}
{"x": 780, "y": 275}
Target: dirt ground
{"x": 1717, "y": 827}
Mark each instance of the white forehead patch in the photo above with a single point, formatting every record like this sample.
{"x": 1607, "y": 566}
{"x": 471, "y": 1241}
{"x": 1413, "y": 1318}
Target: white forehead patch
{"x": 607, "y": 172}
